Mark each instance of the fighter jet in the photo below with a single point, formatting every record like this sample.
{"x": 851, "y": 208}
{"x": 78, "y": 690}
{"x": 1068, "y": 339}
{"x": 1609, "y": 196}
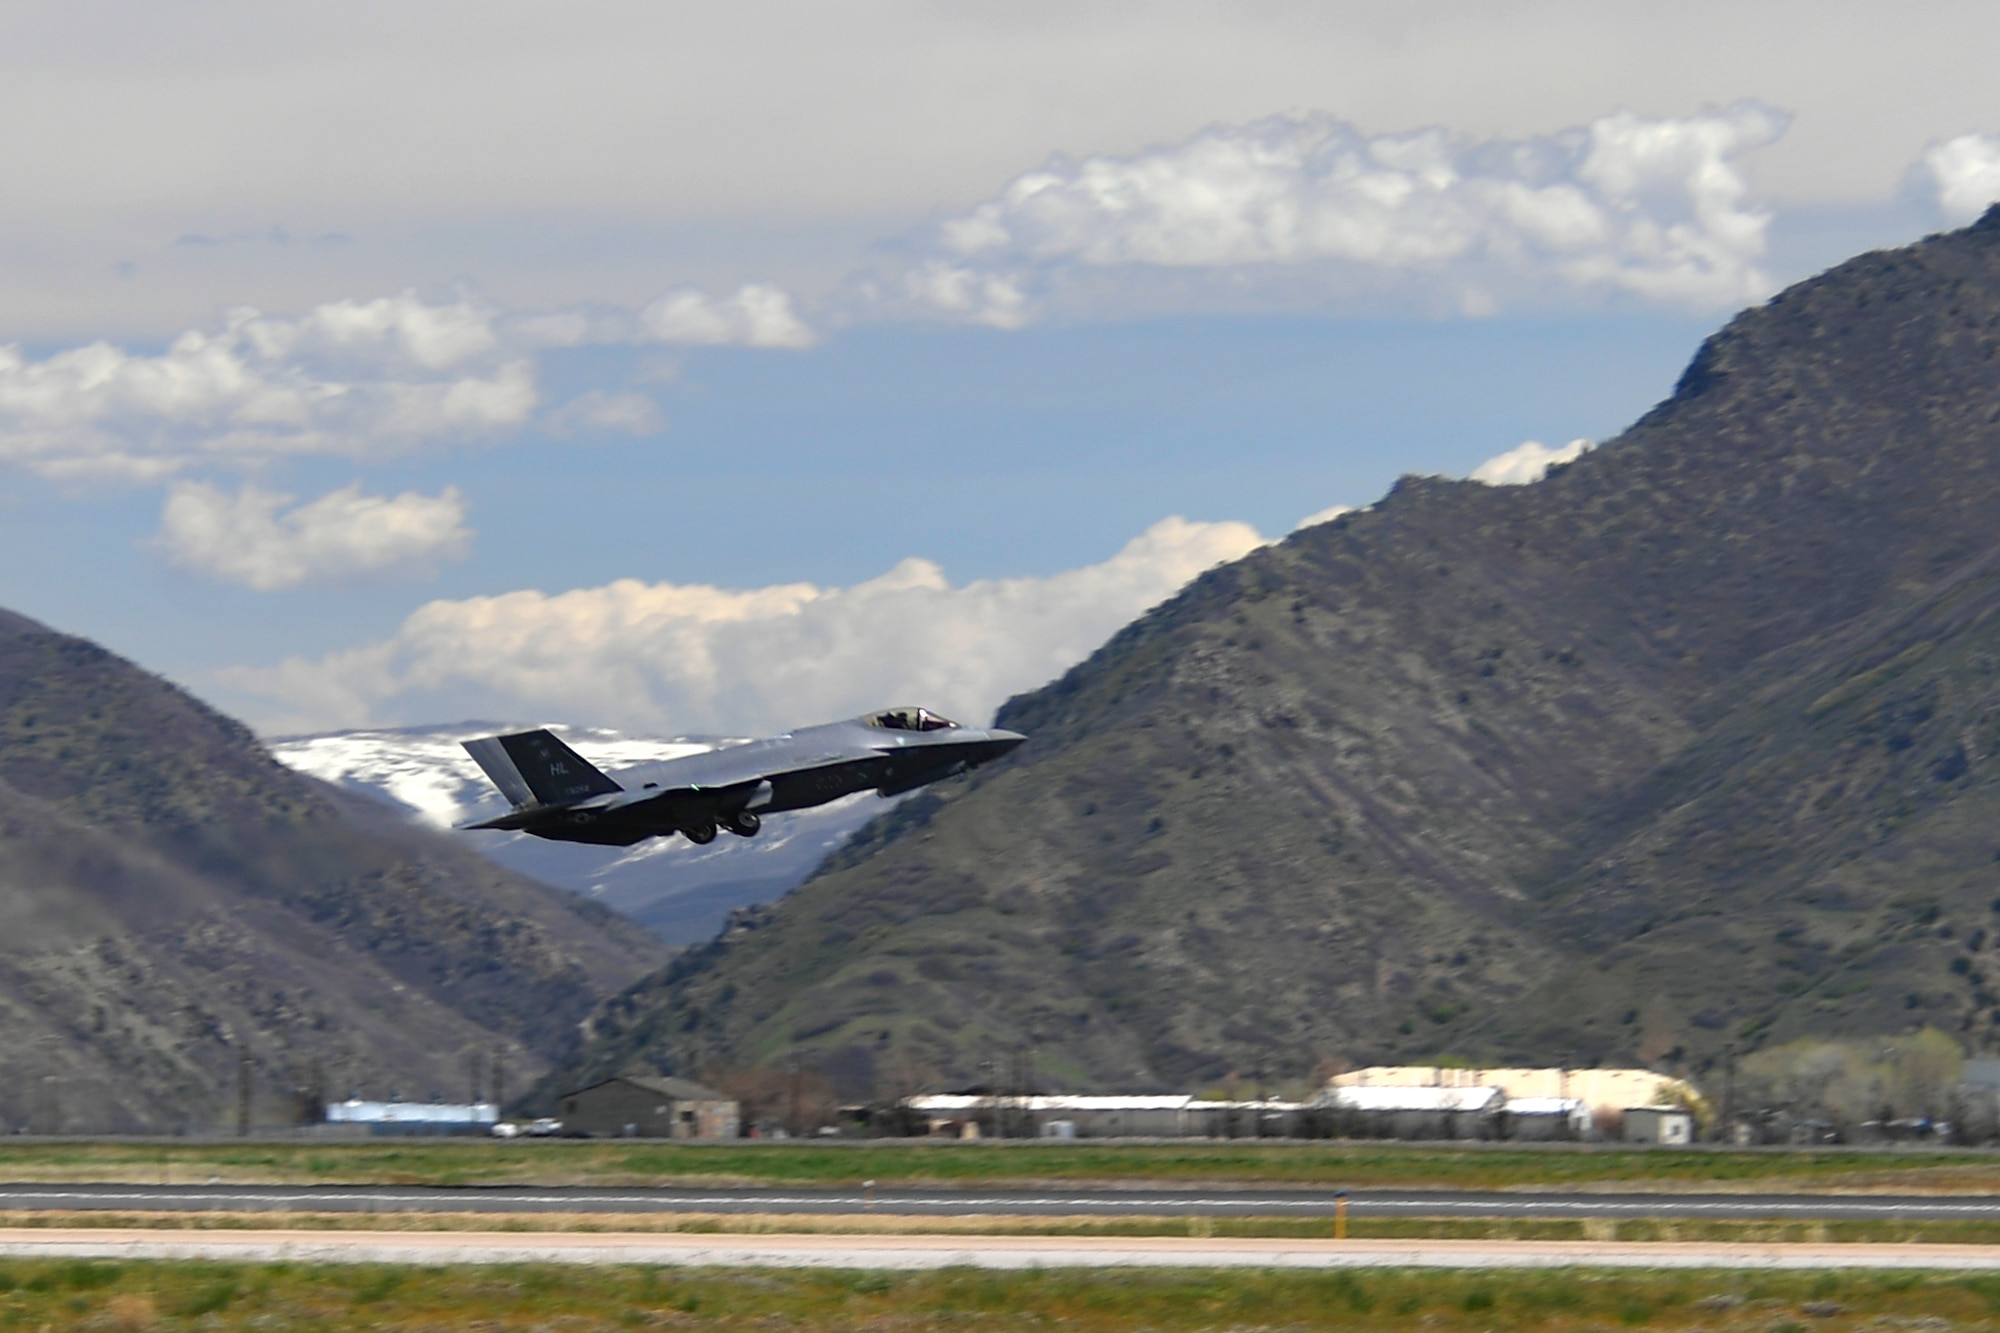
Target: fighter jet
{"x": 557, "y": 795}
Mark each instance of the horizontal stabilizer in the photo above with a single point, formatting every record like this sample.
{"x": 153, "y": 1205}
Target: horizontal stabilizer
{"x": 535, "y": 768}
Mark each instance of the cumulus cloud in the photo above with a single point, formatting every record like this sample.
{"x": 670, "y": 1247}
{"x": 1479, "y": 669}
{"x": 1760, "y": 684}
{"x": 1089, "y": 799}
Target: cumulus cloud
{"x": 383, "y": 333}
{"x": 349, "y": 377}
{"x": 1966, "y": 173}
{"x": 758, "y": 315}
{"x": 1528, "y": 462}
{"x": 1654, "y": 208}
{"x": 681, "y": 658}
{"x": 359, "y": 379}
{"x": 341, "y": 537}
{"x": 993, "y": 299}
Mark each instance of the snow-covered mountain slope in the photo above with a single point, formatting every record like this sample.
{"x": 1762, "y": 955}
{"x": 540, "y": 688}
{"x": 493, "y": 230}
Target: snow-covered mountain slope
{"x": 681, "y": 891}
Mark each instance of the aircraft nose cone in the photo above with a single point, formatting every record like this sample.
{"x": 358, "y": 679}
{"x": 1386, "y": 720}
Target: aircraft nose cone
{"x": 1000, "y": 742}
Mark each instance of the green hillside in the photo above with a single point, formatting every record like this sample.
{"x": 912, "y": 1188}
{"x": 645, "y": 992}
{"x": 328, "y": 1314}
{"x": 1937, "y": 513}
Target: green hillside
{"x": 1693, "y": 743}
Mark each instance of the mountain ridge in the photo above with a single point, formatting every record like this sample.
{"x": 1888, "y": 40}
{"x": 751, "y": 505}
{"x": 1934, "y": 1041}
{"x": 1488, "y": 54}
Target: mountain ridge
{"x": 178, "y": 902}
{"x": 1492, "y": 772}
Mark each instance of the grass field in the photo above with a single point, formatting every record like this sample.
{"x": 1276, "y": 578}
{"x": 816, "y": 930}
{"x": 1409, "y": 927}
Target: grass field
{"x": 916, "y": 1163}
{"x": 130, "y": 1296}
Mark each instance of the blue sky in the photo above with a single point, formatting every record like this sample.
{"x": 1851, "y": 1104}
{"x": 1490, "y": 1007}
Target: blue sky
{"x": 994, "y": 453}
{"x": 631, "y": 366}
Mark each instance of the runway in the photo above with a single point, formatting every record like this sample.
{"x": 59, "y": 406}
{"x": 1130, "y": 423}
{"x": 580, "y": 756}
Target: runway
{"x": 1069, "y": 1201}
{"x": 993, "y": 1252}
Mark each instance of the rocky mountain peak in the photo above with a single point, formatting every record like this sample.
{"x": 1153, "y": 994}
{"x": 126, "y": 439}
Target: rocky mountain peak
{"x": 1694, "y": 742}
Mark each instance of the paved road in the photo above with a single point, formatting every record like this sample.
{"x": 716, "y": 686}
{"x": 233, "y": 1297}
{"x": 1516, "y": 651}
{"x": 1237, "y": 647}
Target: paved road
{"x": 1067, "y": 1202}
{"x": 912, "y": 1252}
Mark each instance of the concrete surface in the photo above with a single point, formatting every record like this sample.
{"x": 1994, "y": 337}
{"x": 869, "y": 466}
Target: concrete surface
{"x": 1000, "y": 1252}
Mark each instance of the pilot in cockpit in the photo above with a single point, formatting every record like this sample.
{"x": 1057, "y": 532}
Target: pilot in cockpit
{"x": 912, "y": 719}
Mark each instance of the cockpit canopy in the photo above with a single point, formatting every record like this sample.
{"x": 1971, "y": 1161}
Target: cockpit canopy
{"x": 910, "y": 719}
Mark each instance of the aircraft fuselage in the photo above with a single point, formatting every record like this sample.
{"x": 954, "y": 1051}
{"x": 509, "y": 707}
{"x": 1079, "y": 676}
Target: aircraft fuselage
{"x": 557, "y": 795}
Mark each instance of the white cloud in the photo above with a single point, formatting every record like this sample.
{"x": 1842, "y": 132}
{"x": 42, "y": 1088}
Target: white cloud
{"x": 983, "y": 298}
{"x": 1966, "y": 172}
{"x": 564, "y": 141}
{"x": 758, "y": 315}
{"x": 598, "y": 411}
{"x": 1300, "y": 211}
{"x": 1653, "y": 208}
{"x": 353, "y": 378}
{"x": 680, "y": 658}
{"x": 340, "y": 537}
{"x": 389, "y": 330}
{"x": 1528, "y": 462}
{"x": 1322, "y": 516}
{"x": 358, "y": 379}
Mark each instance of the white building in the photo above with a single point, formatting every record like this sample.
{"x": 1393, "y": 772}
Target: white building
{"x": 1093, "y": 1117}
{"x": 1540, "y": 1118}
{"x": 1165, "y": 1116}
{"x": 1605, "y": 1092}
{"x": 1658, "y": 1124}
{"x": 415, "y": 1117}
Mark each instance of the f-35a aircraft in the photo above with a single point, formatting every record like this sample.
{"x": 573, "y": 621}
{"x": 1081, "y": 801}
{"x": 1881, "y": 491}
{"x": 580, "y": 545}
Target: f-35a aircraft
{"x": 557, "y": 795}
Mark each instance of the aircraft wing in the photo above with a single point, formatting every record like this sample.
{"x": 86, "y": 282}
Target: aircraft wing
{"x": 735, "y": 770}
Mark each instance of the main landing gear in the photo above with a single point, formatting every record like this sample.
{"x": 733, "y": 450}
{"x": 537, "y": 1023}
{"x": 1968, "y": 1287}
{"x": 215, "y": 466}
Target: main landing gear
{"x": 744, "y": 824}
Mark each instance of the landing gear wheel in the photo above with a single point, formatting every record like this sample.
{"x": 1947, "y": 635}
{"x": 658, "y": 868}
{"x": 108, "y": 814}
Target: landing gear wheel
{"x": 744, "y": 823}
{"x": 699, "y": 834}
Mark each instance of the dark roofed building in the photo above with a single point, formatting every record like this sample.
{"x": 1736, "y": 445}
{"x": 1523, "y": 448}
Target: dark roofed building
{"x": 650, "y": 1106}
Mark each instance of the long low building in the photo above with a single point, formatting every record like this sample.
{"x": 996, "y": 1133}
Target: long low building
{"x": 1449, "y": 1108}
{"x": 1413, "y": 1112}
{"x": 1090, "y": 1117}
{"x": 1164, "y": 1116}
{"x": 414, "y": 1117}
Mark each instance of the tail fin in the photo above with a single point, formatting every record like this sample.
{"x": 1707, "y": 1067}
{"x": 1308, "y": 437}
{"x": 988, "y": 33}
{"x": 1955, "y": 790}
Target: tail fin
{"x": 534, "y": 768}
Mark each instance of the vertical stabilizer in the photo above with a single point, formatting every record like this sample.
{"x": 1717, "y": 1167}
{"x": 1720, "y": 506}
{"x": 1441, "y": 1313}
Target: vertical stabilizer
{"x": 534, "y": 768}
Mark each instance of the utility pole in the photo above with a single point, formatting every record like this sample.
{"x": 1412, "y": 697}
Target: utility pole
{"x": 1024, "y": 1080}
{"x": 242, "y": 1092}
{"x": 51, "y": 1114}
{"x": 499, "y": 1077}
{"x": 1729, "y": 1093}
{"x": 315, "y": 1107}
{"x": 793, "y": 1124}
{"x": 1028, "y": 1127}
